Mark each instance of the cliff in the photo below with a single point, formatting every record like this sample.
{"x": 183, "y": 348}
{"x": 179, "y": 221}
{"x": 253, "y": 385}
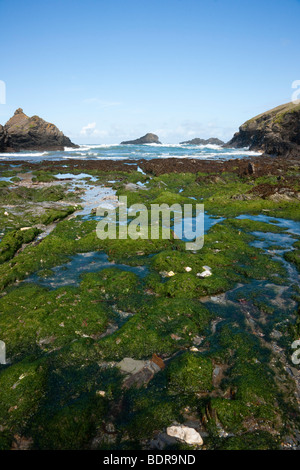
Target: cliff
{"x": 31, "y": 133}
{"x": 275, "y": 132}
{"x": 146, "y": 139}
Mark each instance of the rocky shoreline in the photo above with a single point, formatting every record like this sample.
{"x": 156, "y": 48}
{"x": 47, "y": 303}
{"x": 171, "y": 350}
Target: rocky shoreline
{"x": 140, "y": 344}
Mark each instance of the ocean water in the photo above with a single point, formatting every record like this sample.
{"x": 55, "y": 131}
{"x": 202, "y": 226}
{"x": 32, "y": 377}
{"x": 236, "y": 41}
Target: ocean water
{"x": 133, "y": 152}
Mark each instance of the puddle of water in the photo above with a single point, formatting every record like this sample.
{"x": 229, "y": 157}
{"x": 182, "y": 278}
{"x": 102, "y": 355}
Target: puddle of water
{"x": 192, "y": 225}
{"x": 94, "y": 196}
{"x": 69, "y": 274}
{"x": 291, "y": 225}
{"x": 6, "y": 178}
{"x": 80, "y": 176}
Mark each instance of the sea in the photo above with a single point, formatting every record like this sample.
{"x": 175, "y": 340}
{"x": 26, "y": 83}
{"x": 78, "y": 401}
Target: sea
{"x": 134, "y": 152}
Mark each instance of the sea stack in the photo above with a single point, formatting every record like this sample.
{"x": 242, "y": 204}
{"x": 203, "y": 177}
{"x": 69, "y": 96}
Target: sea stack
{"x": 146, "y": 139}
{"x": 275, "y": 132}
{"x": 197, "y": 141}
{"x": 22, "y": 132}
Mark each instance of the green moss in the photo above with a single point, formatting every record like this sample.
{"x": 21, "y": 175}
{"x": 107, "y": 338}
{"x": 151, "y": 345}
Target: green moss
{"x": 13, "y": 240}
{"x": 36, "y": 320}
{"x": 43, "y": 176}
{"x": 72, "y": 427}
{"x": 161, "y": 326}
{"x": 190, "y": 374}
{"x": 22, "y": 389}
{"x": 63, "y": 336}
{"x": 258, "y": 440}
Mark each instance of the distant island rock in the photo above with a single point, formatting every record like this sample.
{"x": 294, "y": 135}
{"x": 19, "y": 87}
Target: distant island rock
{"x": 197, "y": 141}
{"x": 146, "y": 139}
{"x": 31, "y": 133}
{"x": 275, "y": 132}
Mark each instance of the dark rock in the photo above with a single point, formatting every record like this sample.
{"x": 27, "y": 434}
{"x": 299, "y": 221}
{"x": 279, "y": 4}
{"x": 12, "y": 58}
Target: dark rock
{"x": 31, "y": 133}
{"x": 275, "y": 132}
{"x": 146, "y": 139}
{"x": 2, "y": 138}
{"x": 251, "y": 168}
{"x": 210, "y": 141}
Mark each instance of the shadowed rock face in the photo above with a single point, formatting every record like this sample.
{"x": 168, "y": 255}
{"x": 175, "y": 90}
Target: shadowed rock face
{"x": 1, "y": 138}
{"x": 197, "y": 141}
{"x": 22, "y": 132}
{"x": 276, "y": 132}
{"x": 146, "y": 139}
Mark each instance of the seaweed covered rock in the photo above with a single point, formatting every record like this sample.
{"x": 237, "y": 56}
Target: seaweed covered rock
{"x": 22, "y": 132}
{"x": 275, "y": 132}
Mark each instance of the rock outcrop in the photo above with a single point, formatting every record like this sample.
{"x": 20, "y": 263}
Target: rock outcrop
{"x": 22, "y": 132}
{"x": 210, "y": 141}
{"x": 146, "y": 139}
{"x": 2, "y": 138}
{"x": 275, "y": 132}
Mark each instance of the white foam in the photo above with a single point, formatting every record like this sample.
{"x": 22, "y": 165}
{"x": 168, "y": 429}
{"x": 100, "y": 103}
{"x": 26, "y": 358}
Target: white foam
{"x": 19, "y": 154}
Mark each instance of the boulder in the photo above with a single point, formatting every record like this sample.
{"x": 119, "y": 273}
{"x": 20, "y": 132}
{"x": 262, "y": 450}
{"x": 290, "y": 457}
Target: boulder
{"x": 146, "y": 139}
{"x": 22, "y": 132}
{"x": 186, "y": 434}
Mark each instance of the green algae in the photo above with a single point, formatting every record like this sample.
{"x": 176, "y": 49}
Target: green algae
{"x": 161, "y": 327}
{"x": 259, "y": 440}
{"x": 62, "y": 338}
{"x": 35, "y": 320}
{"x": 22, "y": 389}
{"x": 14, "y": 240}
{"x": 190, "y": 374}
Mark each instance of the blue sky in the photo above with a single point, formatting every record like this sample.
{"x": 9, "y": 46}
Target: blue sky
{"x": 104, "y": 71}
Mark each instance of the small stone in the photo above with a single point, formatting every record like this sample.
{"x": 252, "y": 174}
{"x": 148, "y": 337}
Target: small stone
{"x": 186, "y": 434}
{"x": 131, "y": 366}
{"x": 207, "y": 272}
{"x": 188, "y": 269}
{"x": 171, "y": 273}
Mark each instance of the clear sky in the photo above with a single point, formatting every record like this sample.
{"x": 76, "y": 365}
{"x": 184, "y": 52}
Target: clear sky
{"x": 105, "y": 71}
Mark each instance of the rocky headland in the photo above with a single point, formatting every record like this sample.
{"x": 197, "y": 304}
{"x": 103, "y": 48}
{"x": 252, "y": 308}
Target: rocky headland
{"x": 22, "y": 132}
{"x": 275, "y": 132}
{"x": 146, "y": 139}
{"x": 197, "y": 141}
